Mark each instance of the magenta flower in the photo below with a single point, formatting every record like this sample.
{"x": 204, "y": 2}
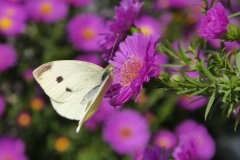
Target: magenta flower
{"x": 12, "y": 149}
{"x": 90, "y": 57}
{"x": 188, "y": 104}
{"x": 187, "y": 148}
{"x": 48, "y": 11}
{"x": 165, "y": 138}
{"x": 105, "y": 110}
{"x": 134, "y": 63}
{"x": 126, "y": 14}
{"x": 12, "y": 19}
{"x": 79, "y": 3}
{"x": 205, "y": 145}
{"x": 149, "y": 25}
{"x": 27, "y": 75}
{"x": 83, "y": 31}
{"x": 155, "y": 154}
{"x": 8, "y": 57}
{"x": 215, "y": 24}
{"x": 2, "y": 105}
{"x": 122, "y": 133}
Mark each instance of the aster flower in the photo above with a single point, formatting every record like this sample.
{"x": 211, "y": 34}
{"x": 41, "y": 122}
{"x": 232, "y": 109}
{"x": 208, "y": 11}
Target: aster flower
{"x": 83, "y": 31}
{"x": 122, "y": 133}
{"x": 48, "y": 11}
{"x": 8, "y": 57}
{"x": 165, "y": 138}
{"x": 27, "y": 75}
{"x": 105, "y": 110}
{"x": 134, "y": 63}
{"x": 148, "y": 25}
{"x": 215, "y": 24}
{"x": 12, "y": 148}
{"x": 155, "y": 154}
{"x": 205, "y": 147}
{"x": 126, "y": 14}
{"x": 187, "y": 148}
{"x": 79, "y": 3}
{"x": 185, "y": 102}
{"x": 12, "y": 19}
{"x": 2, "y": 105}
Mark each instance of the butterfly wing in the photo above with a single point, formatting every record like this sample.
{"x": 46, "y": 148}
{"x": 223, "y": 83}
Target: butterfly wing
{"x": 62, "y": 80}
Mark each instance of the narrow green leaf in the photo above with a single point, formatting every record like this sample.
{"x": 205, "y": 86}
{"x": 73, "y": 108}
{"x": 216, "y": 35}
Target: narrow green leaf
{"x": 207, "y": 72}
{"x": 230, "y": 109}
{"x": 237, "y": 121}
{"x": 237, "y": 89}
{"x": 169, "y": 53}
{"x": 185, "y": 91}
{"x": 191, "y": 80}
{"x": 182, "y": 54}
{"x": 238, "y": 59}
{"x": 209, "y": 105}
{"x": 198, "y": 92}
{"x": 171, "y": 48}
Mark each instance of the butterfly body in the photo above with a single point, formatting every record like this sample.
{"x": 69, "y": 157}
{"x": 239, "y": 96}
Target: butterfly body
{"x": 75, "y": 88}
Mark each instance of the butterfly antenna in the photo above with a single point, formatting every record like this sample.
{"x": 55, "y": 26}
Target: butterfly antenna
{"x": 114, "y": 46}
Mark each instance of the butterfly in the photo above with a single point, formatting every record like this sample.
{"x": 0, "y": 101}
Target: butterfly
{"x": 75, "y": 88}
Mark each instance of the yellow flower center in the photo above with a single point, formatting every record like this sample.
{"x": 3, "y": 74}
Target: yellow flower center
{"x": 46, "y": 8}
{"x": 145, "y": 30}
{"x": 88, "y": 33}
{"x": 5, "y": 23}
{"x": 163, "y": 142}
{"x": 129, "y": 72}
{"x": 62, "y": 144}
{"x": 24, "y": 119}
{"x": 37, "y": 104}
{"x": 125, "y": 133}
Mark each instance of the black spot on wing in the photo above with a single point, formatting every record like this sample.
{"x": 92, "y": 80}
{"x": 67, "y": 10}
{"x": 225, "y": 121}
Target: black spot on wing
{"x": 43, "y": 69}
{"x": 68, "y": 89}
{"x": 59, "y": 79}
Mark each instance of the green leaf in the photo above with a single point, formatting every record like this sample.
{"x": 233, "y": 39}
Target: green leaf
{"x": 171, "y": 48}
{"x": 207, "y": 72}
{"x": 209, "y": 105}
{"x": 230, "y": 109}
{"x": 185, "y": 91}
{"x": 198, "y": 92}
{"x": 237, "y": 89}
{"x": 191, "y": 80}
{"x": 169, "y": 53}
{"x": 182, "y": 54}
{"x": 238, "y": 60}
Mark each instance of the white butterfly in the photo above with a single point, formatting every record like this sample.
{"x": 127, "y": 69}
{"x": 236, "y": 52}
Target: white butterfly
{"x": 75, "y": 88}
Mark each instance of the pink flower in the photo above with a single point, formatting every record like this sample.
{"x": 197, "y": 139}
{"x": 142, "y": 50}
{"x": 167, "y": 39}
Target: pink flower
{"x": 83, "y": 31}
{"x": 215, "y": 24}
{"x": 165, "y": 138}
{"x": 79, "y": 3}
{"x": 48, "y": 11}
{"x": 8, "y": 57}
{"x": 134, "y": 63}
{"x": 122, "y": 133}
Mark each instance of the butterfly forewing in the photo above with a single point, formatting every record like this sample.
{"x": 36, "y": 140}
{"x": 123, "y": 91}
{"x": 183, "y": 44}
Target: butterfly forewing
{"x": 62, "y": 79}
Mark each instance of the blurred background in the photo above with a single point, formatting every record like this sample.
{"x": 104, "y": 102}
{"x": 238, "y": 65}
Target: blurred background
{"x": 35, "y": 32}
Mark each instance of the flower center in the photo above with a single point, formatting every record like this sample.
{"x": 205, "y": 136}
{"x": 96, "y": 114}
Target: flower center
{"x": 145, "y": 30}
{"x": 163, "y": 142}
{"x": 10, "y": 12}
{"x": 5, "y": 23}
{"x": 7, "y": 157}
{"x": 130, "y": 70}
{"x": 88, "y": 33}
{"x": 46, "y": 8}
{"x": 125, "y": 133}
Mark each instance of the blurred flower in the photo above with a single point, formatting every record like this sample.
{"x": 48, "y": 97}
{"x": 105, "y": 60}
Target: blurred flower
{"x": 79, "y": 3}
{"x": 8, "y": 57}
{"x": 37, "y": 103}
{"x": 2, "y": 105}
{"x": 165, "y": 138}
{"x": 83, "y": 31}
{"x": 14, "y": 1}
{"x": 24, "y": 119}
{"x": 90, "y": 57}
{"x": 187, "y": 148}
{"x": 126, "y": 14}
{"x": 185, "y": 102}
{"x": 105, "y": 110}
{"x": 48, "y": 11}
{"x": 149, "y": 25}
{"x": 215, "y": 24}
{"x": 27, "y": 75}
{"x": 12, "y": 149}
{"x": 142, "y": 98}
{"x": 62, "y": 144}
{"x": 180, "y": 4}
{"x": 149, "y": 117}
{"x": 205, "y": 148}
{"x": 156, "y": 154}
{"x": 122, "y": 133}
{"x": 134, "y": 63}
{"x": 12, "y": 19}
